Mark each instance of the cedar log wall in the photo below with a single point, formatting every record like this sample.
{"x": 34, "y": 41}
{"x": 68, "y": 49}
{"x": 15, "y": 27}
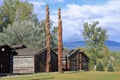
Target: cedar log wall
{"x": 78, "y": 61}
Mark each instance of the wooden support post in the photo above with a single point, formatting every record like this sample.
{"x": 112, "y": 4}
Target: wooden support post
{"x": 47, "y": 39}
{"x": 60, "y": 64}
{"x": 80, "y": 61}
{"x": 68, "y": 64}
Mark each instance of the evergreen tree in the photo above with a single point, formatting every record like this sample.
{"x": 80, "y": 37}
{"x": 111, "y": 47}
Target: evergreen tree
{"x": 110, "y": 68}
{"x": 100, "y": 67}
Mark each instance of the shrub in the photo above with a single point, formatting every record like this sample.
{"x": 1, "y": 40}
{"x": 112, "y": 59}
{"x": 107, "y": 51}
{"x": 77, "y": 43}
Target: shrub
{"x": 110, "y": 68}
{"x": 99, "y": 66}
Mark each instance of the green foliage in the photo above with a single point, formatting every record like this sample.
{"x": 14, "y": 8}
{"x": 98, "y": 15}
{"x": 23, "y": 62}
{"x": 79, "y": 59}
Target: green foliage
{"x": 19, "y": 25}
{"x": 95, "y": 38}
{"x": 100, "y": 66}
{"x": 115, "y": 60}
{"x": 54, "y": 40}
{"x": 110, "y": 68}
{"x": 24, "y": 32}
{"x": 15, "y": 10}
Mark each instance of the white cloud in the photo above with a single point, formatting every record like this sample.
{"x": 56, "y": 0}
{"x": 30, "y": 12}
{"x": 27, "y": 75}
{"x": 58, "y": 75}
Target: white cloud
{"x": 38, "y": 8}
{"x": 74, "y": 16}
{"x": 50, "y": 1}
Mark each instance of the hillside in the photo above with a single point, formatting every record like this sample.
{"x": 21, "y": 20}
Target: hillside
{"x": 112, "y": 45}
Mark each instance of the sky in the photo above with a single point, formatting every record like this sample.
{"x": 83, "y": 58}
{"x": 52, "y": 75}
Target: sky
{"x": 76, "y": 12}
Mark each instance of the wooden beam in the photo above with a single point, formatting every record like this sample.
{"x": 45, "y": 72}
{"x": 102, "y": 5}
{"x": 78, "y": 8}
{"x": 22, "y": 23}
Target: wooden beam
{"x": 68, "y": 64}
{"x": 60, "y": 64}
{"x": 47, "y": 39}
{"x": 80, "y": 61}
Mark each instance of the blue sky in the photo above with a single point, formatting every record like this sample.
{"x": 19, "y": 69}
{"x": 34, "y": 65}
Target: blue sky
{"x": 76, "y": 12}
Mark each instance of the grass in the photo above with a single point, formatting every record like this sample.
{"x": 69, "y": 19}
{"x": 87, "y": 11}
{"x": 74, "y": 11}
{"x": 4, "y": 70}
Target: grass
{"x": 72, "y": 75}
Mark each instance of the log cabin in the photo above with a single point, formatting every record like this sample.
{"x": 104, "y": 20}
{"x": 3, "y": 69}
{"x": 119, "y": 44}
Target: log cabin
{"x": 19, "y": 59}
{"x": 77, "y": 60}
{"x": 33, "y": 61}
{"x": 74, "y": 60}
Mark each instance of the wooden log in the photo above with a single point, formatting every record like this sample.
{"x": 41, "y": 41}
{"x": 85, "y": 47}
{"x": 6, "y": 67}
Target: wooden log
{"x": 60, "y": 64}
{"x": 47, "y": 39}
{"x": 80, "y": 61}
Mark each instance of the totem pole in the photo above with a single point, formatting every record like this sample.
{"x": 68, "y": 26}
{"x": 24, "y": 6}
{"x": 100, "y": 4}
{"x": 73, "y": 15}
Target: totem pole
{"x": 47, "y": 39}
{"x": 60, "y": 42}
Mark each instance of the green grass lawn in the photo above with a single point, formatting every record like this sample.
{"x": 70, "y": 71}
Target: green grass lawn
{"x": 67, "y": 76}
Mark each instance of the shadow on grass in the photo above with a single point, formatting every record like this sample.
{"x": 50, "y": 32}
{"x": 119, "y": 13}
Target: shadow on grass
{"x": 44, "y": 78}
{"x": 2, "y": 75}
{"x": 12, "y": 74}
{"x": 71, "y": 72}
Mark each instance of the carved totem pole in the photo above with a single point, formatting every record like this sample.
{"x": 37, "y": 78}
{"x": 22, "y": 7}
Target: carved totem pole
{"x": 47, "y": 39}
{"x": 60, "y": 42}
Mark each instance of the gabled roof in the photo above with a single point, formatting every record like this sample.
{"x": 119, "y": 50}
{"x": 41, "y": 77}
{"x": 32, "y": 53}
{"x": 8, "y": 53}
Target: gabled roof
{"x": 7, "y": 46}
{"x": 7, "y": 49}
{"x": 83, "y": 53}
{"x": 78, "y": 51}
{"x": 73, "y": 51}
{"x": 20, "y": 46}
{"x": 27, "y": 51}
{"x": 66, "y": 52}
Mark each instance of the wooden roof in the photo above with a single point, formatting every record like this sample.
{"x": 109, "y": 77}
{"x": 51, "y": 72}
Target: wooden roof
{"x": 1, "y": 46}
{"x": 20, "y": 46}
{"x": 66, "y": 52}
{"x": 27, "y": 51}
{"x": 77, "y": 51}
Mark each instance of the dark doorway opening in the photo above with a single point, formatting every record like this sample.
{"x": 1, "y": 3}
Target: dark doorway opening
{"x": 4, "y": 62}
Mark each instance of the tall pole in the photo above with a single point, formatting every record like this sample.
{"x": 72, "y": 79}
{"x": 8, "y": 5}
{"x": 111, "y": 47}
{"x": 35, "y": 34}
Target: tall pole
{"x": 59, "y": 42}
{"x": 47, "y": 39}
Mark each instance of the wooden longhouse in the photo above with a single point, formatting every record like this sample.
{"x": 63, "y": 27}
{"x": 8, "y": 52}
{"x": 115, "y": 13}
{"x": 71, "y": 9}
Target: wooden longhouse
{"x": 23, "y": 60}
{"x": 33, "y": 60}
{"x": 75, "y": 60}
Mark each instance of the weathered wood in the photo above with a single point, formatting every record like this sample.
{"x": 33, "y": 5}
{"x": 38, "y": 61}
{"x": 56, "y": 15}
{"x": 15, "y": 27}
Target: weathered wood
{"x": 80, "y": 62}
{"x": 47, "y": 39}
{"x": 23, "y": 64}
{"x": 77, "y": 61}
{"x": 60, "y": 42}
{"x": 68, "y": 64}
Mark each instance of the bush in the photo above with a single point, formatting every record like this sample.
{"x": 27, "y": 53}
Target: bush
{"x": 110, "y": 68}
{"x": 100, "y": 67}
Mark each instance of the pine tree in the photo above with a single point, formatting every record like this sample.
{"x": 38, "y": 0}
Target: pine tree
{"x": 110, "y": 68}
{"x": 100, "y": 67}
